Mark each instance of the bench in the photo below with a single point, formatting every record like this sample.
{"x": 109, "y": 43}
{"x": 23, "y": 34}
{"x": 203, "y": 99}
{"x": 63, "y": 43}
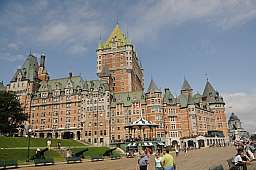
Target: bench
{"x": 8, "y": 163}
{"x": 73, "y": 159}
{"x": 43, "y": 162}
{"x": 97, "y": 158}
{"x": 218, "y": 167}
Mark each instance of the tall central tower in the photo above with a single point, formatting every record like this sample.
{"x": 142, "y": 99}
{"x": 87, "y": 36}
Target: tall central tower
{"x": 117, "y": 55}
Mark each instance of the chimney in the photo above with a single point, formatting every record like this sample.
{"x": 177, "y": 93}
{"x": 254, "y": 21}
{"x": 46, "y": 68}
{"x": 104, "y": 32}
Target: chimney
{"x": 42, "y": 60}
{"x": 70, "y": 74}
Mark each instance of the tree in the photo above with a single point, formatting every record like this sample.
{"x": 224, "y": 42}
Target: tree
{"x": 11, "y": 113}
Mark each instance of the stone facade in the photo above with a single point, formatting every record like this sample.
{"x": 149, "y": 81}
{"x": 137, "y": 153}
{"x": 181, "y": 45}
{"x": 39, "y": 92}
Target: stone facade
{"x": 97, "y": 111}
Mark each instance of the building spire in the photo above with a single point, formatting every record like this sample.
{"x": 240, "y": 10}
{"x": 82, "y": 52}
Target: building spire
{"x": 117, "y": 22}
{"x": 206, "y": 75}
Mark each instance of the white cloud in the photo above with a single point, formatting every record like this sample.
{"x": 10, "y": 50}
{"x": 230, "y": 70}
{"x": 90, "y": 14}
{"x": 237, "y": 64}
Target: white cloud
{"x": 149, "y": 18}
{"x": 53, "y": 24}
{"x": 243, "y": 105}
{"x": 11, "y": 57}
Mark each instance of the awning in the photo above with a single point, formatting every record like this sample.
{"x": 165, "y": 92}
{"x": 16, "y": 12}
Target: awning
{"x": 160, "y": 143}
{"x": 131, "y": 144}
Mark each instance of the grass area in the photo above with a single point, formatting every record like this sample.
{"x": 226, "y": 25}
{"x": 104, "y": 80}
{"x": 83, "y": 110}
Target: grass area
{"x": 15, "y": 148}
{"x": 21, "y": 155}
{"x": 92, "y": 151}
{"x": 16, "y": 142}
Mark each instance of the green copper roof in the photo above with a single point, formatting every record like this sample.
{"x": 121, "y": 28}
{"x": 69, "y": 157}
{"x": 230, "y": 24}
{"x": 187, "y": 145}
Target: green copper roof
{"x": 96, "y": 85}
{"x": 186, "y": 85}
{"x": 197, "y": 98}
{"x": 117, "y": 36}
{"x": 168, "y": 97}
{"x": 152, "y": 87}
{"x": 128, "y": 98}
{"x": 76, "y": 82}
{"x": 182, "y": 100}
{"x": 28, "y": 69}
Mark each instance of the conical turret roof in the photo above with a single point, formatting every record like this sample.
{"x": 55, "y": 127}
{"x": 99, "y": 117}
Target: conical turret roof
{"x": 152, "y": 87}
{"x": 186, "y": 85}
{"x": 208, "y": 90}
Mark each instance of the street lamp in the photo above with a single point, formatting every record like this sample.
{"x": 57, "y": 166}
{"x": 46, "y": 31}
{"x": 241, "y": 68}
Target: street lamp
{"x": 29, "y": 135}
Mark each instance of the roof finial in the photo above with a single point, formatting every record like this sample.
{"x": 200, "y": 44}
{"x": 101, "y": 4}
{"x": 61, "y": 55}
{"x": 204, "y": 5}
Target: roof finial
{"x": 206, "y": 75}
{"x": 126, "y": 31}
{"x": 100, "y": 36}
{"x": 30, "y": 52}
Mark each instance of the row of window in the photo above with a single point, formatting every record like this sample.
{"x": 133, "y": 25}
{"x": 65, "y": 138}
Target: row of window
{"x": 101, "y": 133}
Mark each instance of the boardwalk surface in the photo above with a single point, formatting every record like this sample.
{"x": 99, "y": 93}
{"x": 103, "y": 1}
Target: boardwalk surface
{"x": 200, "y": 159}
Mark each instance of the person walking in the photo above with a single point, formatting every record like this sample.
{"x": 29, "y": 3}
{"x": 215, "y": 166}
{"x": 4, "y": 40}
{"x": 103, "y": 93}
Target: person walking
{"x": 158, "y": 165}
{"x": 143, "y": 161}
{"x": 176, "y": 150}
{"x": 167, "y": 161}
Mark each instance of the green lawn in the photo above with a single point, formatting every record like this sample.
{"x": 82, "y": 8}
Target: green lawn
{"x": 15, "y": 148}
{"x": 21, "y": 155}
{"x": 16, "y": 142}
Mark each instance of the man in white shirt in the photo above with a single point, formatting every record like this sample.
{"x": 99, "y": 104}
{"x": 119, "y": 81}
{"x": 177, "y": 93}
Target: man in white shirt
{"x": 239, "y": 162}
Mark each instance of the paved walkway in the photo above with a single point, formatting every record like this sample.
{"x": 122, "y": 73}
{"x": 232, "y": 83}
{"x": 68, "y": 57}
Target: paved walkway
{"x": 200, "y": 159}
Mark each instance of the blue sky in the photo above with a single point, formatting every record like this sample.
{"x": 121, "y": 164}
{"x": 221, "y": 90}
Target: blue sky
{"x": 173, "y": 38}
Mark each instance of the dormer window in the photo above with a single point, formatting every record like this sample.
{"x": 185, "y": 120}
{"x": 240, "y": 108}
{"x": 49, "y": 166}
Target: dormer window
{"x": 67, "y": 91}
{"x": 19, "y": 77}
{"x": 44, "y": 94}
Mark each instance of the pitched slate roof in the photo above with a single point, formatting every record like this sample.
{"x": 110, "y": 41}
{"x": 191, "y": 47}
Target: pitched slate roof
{"x": 116, "y": 36}
{"x": 208, "y": 90}
{"x": 28, "y": 70}
{"x": 211, "y": 95}
{"x": 186, "y": 85}
{"x": 128, "y": 98}
{"x": 152, "y": 87}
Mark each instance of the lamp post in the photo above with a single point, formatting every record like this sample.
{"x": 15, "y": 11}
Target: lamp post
{"x": 29, "y": 135}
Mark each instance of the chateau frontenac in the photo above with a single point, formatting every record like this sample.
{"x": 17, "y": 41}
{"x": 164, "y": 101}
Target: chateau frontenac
{"x": 99, "y": 111}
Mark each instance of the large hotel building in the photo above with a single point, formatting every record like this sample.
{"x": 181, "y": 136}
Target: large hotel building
{"x": 97, "y": 111}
